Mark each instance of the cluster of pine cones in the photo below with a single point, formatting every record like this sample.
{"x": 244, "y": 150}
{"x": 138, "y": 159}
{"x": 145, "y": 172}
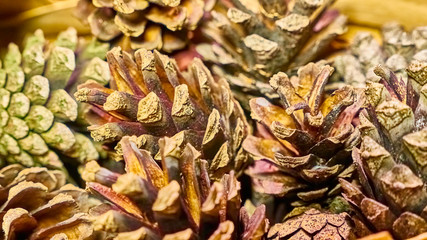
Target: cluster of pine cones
{"x": 242, "y": 132}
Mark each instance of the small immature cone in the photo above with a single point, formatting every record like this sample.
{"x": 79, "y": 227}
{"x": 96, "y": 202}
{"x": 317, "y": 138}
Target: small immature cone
{"x": 36, "y": 105}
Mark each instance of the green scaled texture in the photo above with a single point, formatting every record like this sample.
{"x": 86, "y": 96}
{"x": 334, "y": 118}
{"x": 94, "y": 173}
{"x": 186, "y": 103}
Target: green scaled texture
{"x": 37, "y": 110}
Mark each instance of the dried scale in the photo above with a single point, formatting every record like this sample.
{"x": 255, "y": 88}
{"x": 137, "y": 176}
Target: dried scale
{"x": 175, "y": 200}
{"x": 253, "y": 40}
{"x": 390, "y": 194}
{"x": 161, "y": 24}
{"x": 150, "y": 98}
{"x": 303, "y": 146}
{"x": 35, "y": 110}
{"x": 398, "y": 49}
{"x": 36, "y": 203}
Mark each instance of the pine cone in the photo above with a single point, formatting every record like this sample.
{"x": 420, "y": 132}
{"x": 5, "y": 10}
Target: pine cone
{"x": 398, "y": 50}
{"x": 253, "y": 40}
{"x": 163, "y": 25}
{"x": 35, "y": 108}
{"x": 391, "y": 161}
{"x": 304, "y": 146}
{"x": 150, "y": 98}
{"x": 175, "y": 201}
{"x": 315, "y": 225}
{"x": 36, "y": 204}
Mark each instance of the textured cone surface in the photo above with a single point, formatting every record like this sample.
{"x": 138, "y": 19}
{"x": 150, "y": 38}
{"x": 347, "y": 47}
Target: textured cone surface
{"x": 150, "y": 98}
{"x": 256, "y": 39}
{"x": 174, "y": 201}
{"x": 163, "y": 25}
{"x": 35, "y": 110}
{"x": 304, "y": 146}
{"x": 313, "y": 224}
{"x": 37, "y": 204}
{"x": 391, "y": 161}
{"x": 398, "y": 49}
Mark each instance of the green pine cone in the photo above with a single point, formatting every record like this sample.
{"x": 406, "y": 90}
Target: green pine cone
{"x": 36, "y": 111}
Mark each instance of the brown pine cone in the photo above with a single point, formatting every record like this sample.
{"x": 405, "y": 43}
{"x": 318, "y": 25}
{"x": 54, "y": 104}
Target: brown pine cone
{"x": 174, "y": 201}
{"x": 303, "y": 146}
{"x": 163, "y": 25}
{"x": 37, "y": 204}
{"x": 255, "y": 39}
{"x": 150, "y": 98}
{"x": 391, "y": 161}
